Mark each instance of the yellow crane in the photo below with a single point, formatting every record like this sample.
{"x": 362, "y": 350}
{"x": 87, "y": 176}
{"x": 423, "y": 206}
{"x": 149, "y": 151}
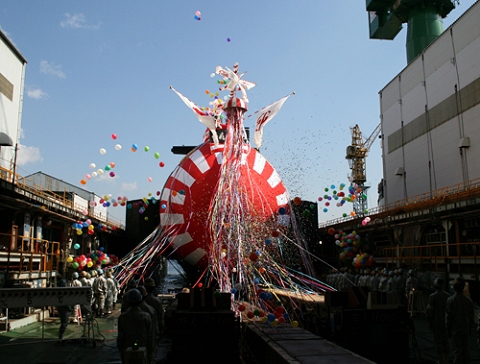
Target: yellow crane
{"x": 356, "y": 155}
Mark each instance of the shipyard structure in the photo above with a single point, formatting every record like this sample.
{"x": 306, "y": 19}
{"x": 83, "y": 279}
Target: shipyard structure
{"x": 428, "y": 213}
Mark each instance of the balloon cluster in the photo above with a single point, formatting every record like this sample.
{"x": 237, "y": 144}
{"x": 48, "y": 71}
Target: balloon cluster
{"x": 366, "y": 220}
{"x": 353, "y": 193}
{"x": 362, "y": 260}
{"x": 198, "y": 15}
{"x": 94, "y": 260}
{"x": 142, "y": 205}
{"x": 79, "y": 227}
{"x": 110, "y": 166}
{"x": 350, "y": 245}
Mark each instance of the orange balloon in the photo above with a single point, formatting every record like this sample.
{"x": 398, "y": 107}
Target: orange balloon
{"x": 297, "y": 201}
{"x": 83, "y": 182}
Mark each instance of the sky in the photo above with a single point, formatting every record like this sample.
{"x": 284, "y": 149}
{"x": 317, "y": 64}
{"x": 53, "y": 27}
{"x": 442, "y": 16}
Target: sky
{"x": 99, "y": 72}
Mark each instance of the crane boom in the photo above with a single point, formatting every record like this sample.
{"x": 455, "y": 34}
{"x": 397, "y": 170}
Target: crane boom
{"x": 356, "y": 155}
{"x": 368, "y": 143}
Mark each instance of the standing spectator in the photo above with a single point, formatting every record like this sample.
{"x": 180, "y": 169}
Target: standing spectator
{"x": 400, "y": 282}
{"x": 111, "y": 296}
{"x": 410, "y": 283}
{"x": 130, "y": 285}
{"x": 391, "y": 287}
{"x": 145, "y": 306}
{"x": 459, "y": 321}
{"x": 117, "y": 292}
{"x": 100, "y": 293}
{"x": 84, "y": 279}
{"x": 156, "y": 303}
{"x": 382, "y": 286}
{"x": 135, "y": 327}
{"x": 435, "y": 313}
{"x": 63, "y": 311}
{"x": 375, "y": 282}
{"x": 76, "y": 309}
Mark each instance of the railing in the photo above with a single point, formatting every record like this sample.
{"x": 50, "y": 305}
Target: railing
{"x": 457, "y": 192}
{"x": 433, "y": 254}
{"x": 27, "y": 254}
{"x": 62, "y": 200}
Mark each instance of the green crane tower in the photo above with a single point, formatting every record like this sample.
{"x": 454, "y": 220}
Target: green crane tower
{"x": 423, "y": 18}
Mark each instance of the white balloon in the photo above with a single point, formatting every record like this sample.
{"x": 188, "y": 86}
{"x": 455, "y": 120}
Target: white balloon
{"x": 92, "y": 165}
{"x": 102, "y": 151}
{"x": 94, "y": 174}
{"x": 100, "y": 171}
{"x": 118, "y": 147}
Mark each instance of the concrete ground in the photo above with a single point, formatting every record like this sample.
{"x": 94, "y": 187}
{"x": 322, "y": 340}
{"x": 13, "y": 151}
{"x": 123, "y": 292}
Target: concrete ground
{"x": 37, "y": 343}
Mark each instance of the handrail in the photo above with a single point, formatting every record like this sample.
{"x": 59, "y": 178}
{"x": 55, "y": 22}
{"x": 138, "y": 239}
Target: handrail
{"x": 457, "y": 192}
{"x": 436, "y": 252}
{"x": 40, "y": 191}
{"x": 27, "y": 250}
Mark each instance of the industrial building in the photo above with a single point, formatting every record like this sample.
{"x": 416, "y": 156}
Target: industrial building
{"x": 428, "y": 215}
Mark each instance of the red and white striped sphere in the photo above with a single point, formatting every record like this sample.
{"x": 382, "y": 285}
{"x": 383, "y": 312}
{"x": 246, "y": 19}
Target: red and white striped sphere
{"x": 188, "y": 192}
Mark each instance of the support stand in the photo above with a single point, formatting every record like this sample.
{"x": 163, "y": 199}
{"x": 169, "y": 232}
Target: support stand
{"x": 416, "y": 303}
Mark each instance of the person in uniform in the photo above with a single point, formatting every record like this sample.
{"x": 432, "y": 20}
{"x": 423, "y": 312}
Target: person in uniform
{"x": 135, "y": 328}
{"x": 459, "y": 321}
{"x": 435, "y": 313}
{"x": 99, "y": 288}
{"x": 63, "y": 311}
{"x": 111, "y": 293}
{"x": 156, "y": 303}
{"x": 77, "y": 315}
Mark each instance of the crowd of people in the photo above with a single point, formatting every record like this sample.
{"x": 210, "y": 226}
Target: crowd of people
{"x": 376, "y": 279}
{"x": 141, "y": 321}
{"x": 450, "y": 316}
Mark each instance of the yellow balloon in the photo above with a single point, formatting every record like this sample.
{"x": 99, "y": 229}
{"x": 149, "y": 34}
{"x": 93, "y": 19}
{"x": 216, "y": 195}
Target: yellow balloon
{"x": 69, "y": 259}
{"x": 295, "y": 323}
{"x": 79, "y": 231}
{"x": 89, "y": 264}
